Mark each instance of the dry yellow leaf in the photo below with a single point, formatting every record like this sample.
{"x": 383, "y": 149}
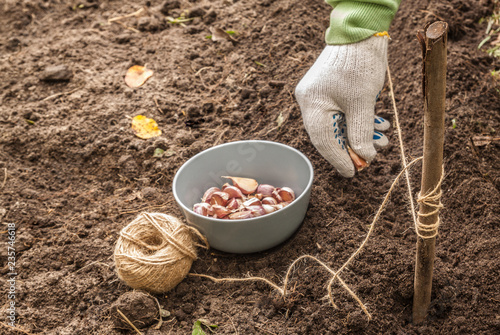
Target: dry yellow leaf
{"x": 144, "y": 127}
{"x": 137, "y": 75}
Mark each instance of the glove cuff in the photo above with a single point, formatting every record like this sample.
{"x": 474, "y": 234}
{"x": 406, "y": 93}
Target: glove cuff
{"x": 352, "y": 21}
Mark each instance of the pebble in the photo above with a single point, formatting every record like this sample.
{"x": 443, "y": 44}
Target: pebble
{"x": 184, "y": 138}
{"x": 208, "y": 107}
{"x": 55, "y": 73}
{"x": 210, "y": 17}
{"x": 138, "y": 307}
{"x": 196, "y": 12}
{"x": 245, "y": 93}
{"x": 265, "y": 91}
{"x": 149, "y": 192}
{"x": 169, "y": 5}
{"x": 124, "y": 158}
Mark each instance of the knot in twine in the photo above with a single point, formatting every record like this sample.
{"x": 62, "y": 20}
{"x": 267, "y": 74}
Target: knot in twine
{"x": 155, "y": 252}
{"x": 431, "y": 200}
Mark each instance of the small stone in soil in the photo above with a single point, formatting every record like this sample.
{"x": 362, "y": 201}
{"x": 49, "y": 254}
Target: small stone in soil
{"x": 140, "y": 308}
{"x": 184, "y": 138}
{"x": 169, "y": 5}
{"x": 196, "y": 12}
{"x": 53, "y": 73}
{"x": 149, "y": 192}
{"x": 210, "y": 17}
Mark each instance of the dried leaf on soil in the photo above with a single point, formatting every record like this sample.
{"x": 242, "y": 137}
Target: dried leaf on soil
{"x": 144, "y": 127}
{"x": 481, "y": 141}
{"x": 219, "y": 34}
{"x": 137, "y": 75}
{"x": 280, "y": 119}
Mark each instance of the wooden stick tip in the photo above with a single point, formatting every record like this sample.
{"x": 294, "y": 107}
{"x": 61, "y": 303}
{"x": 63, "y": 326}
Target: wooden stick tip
{"x": 436, "y": 30}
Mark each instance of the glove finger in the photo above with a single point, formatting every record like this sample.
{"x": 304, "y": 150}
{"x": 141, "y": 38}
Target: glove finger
{"x": 379, "y": 140}
{"x": 360, "y": 129}
{"x": 328, "y": 136}
{"x": 381, "y": 124}
{"x": 340, "y": 138}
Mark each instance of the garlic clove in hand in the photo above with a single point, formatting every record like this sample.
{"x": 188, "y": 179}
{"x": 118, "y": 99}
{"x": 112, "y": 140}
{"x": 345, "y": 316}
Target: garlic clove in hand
{"x": 358, "y": 161}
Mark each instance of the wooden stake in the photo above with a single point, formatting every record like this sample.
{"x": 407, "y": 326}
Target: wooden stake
{"x": 434, "y": 87}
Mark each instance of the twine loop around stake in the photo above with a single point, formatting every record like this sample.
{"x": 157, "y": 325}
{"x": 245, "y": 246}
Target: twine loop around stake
{"x": 432, "y": 200}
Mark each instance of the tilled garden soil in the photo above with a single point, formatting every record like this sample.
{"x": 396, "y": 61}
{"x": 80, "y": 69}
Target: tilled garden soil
{"x": 73, "y": 174}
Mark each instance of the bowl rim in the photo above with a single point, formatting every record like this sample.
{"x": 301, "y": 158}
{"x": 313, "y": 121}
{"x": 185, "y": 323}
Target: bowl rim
{"x": 237, "y": 221}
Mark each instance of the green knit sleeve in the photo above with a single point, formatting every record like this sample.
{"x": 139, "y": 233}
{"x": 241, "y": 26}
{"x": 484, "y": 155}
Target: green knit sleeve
{"x": 355, "y": 20}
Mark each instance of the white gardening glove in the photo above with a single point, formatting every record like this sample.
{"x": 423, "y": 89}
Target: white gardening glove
{"x": 337, "y": 98}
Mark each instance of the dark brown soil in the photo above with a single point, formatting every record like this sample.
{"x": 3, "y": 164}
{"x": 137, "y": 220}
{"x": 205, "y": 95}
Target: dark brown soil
{"x": 76, "y": 174}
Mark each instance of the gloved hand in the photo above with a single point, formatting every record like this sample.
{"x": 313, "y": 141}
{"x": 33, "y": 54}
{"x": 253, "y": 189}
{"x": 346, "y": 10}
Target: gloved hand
{"x": 337, "y": 98}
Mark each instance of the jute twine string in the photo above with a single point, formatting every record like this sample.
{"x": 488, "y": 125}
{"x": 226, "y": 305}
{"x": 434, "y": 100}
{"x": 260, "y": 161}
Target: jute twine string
{"x": 431, "y": 199}
{"x": 282, "y": 290}
{"x": 335, "y": 274}
{"x": 155, "y": 252}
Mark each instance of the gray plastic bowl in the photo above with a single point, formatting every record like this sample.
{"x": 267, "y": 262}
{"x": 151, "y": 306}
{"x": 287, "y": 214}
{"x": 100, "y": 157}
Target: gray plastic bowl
{"x": 268, "y": 163}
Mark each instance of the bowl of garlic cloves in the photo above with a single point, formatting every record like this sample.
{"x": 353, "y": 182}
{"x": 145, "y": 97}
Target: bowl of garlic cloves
{"x": 245, "y": 196}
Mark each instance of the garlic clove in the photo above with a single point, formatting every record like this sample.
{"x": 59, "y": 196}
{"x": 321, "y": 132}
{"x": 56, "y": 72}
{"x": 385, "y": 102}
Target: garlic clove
{"x": 269, "y": 201}
{"x": 220, "y": 212}
{"x": 203, "y": 208}
{"x": 257, "y": 210}
{"x": 275, "y": 194}
{"x": 241, "y": 215}
{"x": 259, "y": 196}
{"x": 234, "y": 203}
{"x": 281, "y": 205}
{"x": 219, "y": 198}
{"x": 268, "y": 208}
{"x": 358, "y": 161}
{"x": 246, "y": 185}
{"x": 225, "y": 185}
{"x": 252, "y": 202}
{"x": 208, "y": 194}
{"x": 286, "y": 194}
{"x": 265, "y": 189}
{"x": 233, "y": 192}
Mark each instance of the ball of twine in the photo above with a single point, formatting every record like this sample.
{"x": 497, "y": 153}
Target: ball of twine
{"x": 155, "y": 252}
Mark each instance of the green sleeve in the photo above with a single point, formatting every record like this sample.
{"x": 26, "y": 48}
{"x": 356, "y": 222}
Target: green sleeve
{"x": 355, "y": 20}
